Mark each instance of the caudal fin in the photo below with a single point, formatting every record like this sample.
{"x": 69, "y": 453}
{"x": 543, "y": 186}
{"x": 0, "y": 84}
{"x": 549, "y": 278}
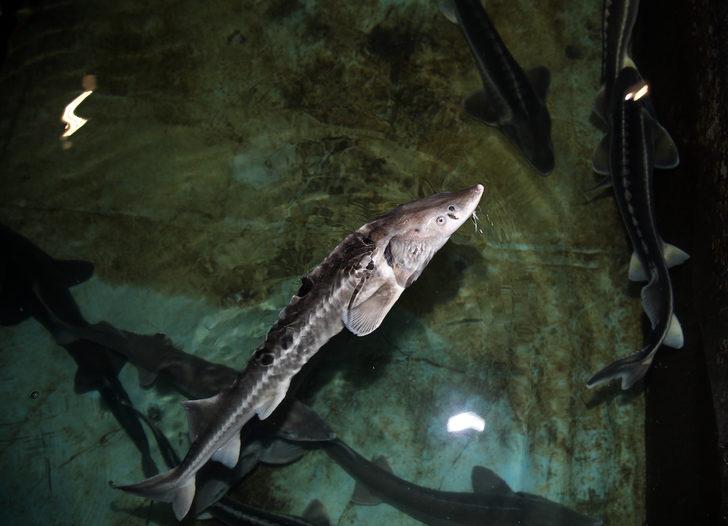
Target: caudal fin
{"x": 166, "y": 487}
{"x": 630, "y": 369}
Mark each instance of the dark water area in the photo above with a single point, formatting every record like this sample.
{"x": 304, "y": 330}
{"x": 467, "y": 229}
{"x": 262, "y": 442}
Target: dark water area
{"x": 230, "y": 146}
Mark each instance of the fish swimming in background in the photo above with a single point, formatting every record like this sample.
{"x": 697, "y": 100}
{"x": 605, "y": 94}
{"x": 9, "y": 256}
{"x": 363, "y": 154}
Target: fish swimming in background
{"x": 618, "y": 19}
{"x": 32, "y": 283}
{"x": 511, "y": 100}
{"x": 630, "y": 168}
{"x": 154, "y": 355}
{"x": 354, "y": 287}
{"x": 492, "y": 502}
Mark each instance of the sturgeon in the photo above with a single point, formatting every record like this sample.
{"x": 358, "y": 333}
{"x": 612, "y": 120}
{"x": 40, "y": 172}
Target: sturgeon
{"x": 354, "y": 287}
{"x": 618, "y": 21}
{"x": 630, "y": 167}
{"x": 511, "y": 100}
{"x": 491, "y": 502}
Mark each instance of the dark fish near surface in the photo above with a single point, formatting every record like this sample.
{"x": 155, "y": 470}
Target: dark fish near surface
{"x": 34, "y": 284}
{"x": 354, "y": 287}
{"x": 511, "y": 100}
{"x": 618, "y": 19}
{"x": 630, "y": 167}
{"x": 492, "y": 501}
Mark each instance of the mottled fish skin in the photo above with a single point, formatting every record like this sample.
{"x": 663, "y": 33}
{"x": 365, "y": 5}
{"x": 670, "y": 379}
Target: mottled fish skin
{"x": 491, "y": 503}
{"x": 355, "y": 286}
{"x": 510, "y": 100}
{"x": 631, "y": 171}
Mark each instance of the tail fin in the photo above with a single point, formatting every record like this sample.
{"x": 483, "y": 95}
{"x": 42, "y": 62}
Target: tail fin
{"x": 630, "y": 369}
{"x": 166, "y": 487}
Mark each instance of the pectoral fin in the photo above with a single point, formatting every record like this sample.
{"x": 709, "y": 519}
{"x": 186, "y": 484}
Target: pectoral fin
{"x": 674, "y": 337}
{"x": 600, "y": 159}
{"x": 146, "y": 377}
{"x": 315, "y": 513}
{"x": 478, "y": 106}
{"x": 362, "y": 495}
{"x": 540, "y": 78}
{"x": 71, "y": 272}
{"x": 200, "y": 413}
{"x": 665, "y": 154}
{"x": 448, "y": 10}
{"x": 302, "y": 424}
{"x": 366, "y": 316}
{"x": 600, "y": 105}
{"x": 636, "y": 270}
{"x": 281, "y": 452}
{"x": 673, "y": 255}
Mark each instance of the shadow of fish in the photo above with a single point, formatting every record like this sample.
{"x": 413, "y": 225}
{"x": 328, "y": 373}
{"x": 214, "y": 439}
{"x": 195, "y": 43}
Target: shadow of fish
{"x": 153, "y": 355}
{"x": 618, "y": 20}
{"x": 630, "y": 168}
{"x": 32, "y": 283}
{"x": 511, "y": 100}
{"x": 354, "y": 287}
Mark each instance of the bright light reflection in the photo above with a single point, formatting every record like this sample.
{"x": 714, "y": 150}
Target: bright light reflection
{"x": 638, "y": 93}
{"x": 463, "y": 421}
{"x": 73, "y": 121}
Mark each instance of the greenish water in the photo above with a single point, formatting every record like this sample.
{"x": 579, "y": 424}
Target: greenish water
{"x": 229, "y": 148}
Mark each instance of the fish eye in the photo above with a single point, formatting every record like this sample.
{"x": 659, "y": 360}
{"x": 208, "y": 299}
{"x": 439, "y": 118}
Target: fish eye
{"x": 441, "y": 220}
{"x": 451, "y": 208}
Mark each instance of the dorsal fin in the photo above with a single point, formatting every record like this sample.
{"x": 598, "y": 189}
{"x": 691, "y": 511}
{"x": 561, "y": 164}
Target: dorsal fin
{"x": 300, "y": 423}
{"x": 485, "y": 480}
{"x": 315, "y": 513}
{"x": 199, "y": 414}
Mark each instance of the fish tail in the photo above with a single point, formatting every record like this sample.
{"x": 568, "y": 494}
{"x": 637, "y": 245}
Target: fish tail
{"x": 167, "y": 487}
{"x": 630, "y": 369}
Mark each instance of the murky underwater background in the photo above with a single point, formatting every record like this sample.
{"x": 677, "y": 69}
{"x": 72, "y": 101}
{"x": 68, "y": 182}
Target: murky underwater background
{"x": 230, "y": 146}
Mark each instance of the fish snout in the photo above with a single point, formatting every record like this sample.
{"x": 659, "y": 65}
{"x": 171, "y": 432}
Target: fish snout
{"x": 474, "y": 194}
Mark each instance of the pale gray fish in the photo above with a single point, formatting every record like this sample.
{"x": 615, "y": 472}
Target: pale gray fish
{"x": 618, "y": 20}
{"x": 211, "y": 500}
{"x": 511, "y": 100}
{"x": 630, "y": 168}
{"x": 354, "y": 287}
